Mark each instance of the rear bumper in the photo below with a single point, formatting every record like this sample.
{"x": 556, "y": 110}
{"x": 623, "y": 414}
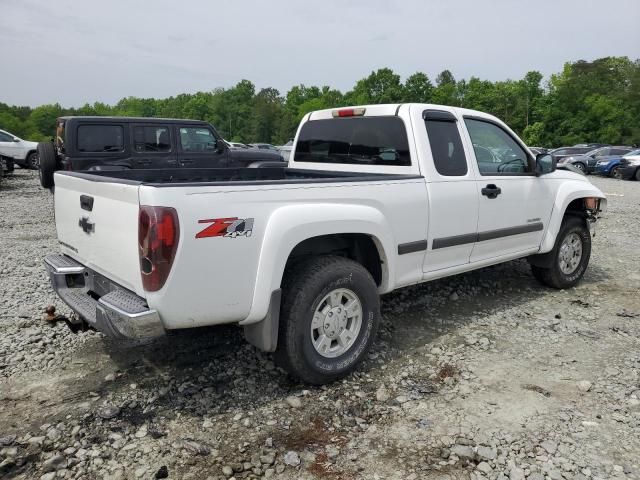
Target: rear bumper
{"x": 101, "y": 303}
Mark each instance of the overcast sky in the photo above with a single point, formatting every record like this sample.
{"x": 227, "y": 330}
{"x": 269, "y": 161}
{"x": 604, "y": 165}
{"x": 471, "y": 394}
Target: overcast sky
{"x": 73, "y": 52}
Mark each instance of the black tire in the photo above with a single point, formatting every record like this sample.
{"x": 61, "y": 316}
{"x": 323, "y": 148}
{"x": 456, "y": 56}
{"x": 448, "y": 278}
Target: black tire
{"x": 32, "y": 162}
{"x": 616, "y": 172}
{"x": 48, "y": 163}
{"x": 9, "y": 166}
{"x": 637, "y": 175}
{"x": 580, "y": 166}
{"x": 304, "y": 288}
{"x": 553, "y": 276}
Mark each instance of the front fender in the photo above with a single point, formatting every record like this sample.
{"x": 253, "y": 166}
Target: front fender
{"x": 288, "y": 226}
{"x": 567, "y": 193}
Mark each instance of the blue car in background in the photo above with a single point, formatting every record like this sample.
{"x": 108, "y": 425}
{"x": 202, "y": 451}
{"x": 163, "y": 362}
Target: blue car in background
{"x": 610, "y": 166}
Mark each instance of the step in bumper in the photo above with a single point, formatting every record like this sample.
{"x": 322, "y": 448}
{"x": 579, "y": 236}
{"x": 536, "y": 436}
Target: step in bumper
{"x": 103, "y": 304}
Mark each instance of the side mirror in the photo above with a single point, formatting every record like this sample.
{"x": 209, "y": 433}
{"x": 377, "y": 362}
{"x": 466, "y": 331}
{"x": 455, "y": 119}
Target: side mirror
{"x": 545, "y": 163}
{"x": 221, "y": 146}
{"x": 16, "y": 139}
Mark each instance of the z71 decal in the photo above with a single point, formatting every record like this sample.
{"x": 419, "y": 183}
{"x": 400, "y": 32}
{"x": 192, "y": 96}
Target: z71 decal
{"x": 231, "y": 227}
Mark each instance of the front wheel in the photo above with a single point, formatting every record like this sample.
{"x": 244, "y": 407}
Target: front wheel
{"x": 329, "y": 318}
{"x": 637, "y": 175}
{"x": 570, "y": 255}
{"x": 581, "y": 167}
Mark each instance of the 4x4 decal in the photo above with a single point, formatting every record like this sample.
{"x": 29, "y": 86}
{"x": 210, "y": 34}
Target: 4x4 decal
{"x": 226, "y": 227}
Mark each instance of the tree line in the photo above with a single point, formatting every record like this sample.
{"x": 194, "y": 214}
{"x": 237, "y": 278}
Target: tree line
{"x": 597, "y": 101}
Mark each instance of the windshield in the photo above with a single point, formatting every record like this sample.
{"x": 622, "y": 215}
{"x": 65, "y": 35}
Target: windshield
{"x": 594, "y": 152}
{"x": 632, "y": 153}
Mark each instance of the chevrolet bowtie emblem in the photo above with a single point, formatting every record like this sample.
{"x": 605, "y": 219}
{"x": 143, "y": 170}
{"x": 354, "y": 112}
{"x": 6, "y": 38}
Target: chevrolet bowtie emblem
{"x": 86, "y": 226}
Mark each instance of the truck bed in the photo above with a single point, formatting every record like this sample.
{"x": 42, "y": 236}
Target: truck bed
{"x": 225, "y": 176}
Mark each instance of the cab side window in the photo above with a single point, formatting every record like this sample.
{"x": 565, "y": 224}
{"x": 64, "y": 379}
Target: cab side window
{"x": 151, "y": 139}
{"x": 446, "y": 147}
{"x": 197, "y": 139}
{"x": 497, "y": 153}
{"x": 5, "y": 138}
{"x": 619, "y": 151}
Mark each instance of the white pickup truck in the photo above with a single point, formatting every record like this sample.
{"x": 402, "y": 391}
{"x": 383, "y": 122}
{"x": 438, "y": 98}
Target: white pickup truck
{"x": 374, "y": 198}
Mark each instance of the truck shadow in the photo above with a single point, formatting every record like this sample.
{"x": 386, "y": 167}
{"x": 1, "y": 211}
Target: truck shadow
{"x": 212, "y": 370}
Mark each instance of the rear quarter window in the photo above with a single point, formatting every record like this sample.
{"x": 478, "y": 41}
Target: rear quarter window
{"x": 100, "y": 138}
{"x": 355, "y": 140}
{"x": 446, "y": 148}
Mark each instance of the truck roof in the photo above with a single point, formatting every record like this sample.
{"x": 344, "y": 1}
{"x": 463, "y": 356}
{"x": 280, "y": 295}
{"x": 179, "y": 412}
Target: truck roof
{"x": 392, "y": 109}
{"x": 133, "y": 119}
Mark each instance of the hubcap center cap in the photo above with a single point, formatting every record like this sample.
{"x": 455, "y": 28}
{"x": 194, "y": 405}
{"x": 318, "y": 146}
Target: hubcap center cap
{"x": 335, "y": 321}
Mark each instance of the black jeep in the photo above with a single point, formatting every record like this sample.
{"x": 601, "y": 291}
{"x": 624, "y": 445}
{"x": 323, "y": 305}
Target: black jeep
{"x": 118, "y": 143}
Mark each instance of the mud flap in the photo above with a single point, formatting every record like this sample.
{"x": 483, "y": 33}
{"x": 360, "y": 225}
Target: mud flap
{"x": 264, "y": 334}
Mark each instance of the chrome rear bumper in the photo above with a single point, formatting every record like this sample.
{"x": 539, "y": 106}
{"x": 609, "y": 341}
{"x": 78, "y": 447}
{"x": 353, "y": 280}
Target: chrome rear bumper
{"x": 103, "y": 304}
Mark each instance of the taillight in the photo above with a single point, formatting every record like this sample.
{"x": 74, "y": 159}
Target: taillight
{"x": 158, "y": 236}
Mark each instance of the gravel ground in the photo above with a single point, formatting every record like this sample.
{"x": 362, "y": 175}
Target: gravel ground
{"x": 485, "y": 375}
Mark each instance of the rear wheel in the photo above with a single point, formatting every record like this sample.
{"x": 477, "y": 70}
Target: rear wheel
{"x": 616, "y": 172}
{"x": 570, "y": 255}
{"x": 329, "y": 318}
{"x": 637, "y": 175}
{"x": 32, "y": 161}
{"x": 48, "y": 163}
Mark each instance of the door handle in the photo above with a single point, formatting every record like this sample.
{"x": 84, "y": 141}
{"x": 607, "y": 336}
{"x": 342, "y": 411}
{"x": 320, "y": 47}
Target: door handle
{"x": 186, "y": 161}
{"x": 144, "y": 162}
{"x": 491, "y": 191}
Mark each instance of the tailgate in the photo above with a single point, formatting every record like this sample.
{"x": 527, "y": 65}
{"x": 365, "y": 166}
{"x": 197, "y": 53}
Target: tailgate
{"x": 97, "y": 224}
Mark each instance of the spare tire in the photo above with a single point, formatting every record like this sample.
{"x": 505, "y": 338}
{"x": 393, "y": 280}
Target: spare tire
{"x": 48, "y": 163}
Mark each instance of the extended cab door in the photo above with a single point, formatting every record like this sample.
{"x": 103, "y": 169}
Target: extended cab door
{"x": 453, "y": 199}
{"x": 153, "y": 146}
{"x": 198, "y": 147}
{"x": 514, "y": 204}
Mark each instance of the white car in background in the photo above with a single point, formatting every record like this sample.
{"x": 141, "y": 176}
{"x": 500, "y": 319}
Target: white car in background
{"x": 22, "y": 152}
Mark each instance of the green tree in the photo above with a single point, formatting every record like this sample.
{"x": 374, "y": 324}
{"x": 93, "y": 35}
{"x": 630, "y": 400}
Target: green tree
{"x": 264, "y": 118}
{"x": 44, "y": 118}
{"x": 418, "y": 88}
{"x": 445, "y": 92}
{"x": 588, "y": 101}
{"x": 381, "y": 86}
